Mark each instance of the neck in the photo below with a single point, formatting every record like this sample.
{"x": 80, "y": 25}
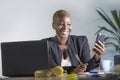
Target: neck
{"x": 62, "y": 40}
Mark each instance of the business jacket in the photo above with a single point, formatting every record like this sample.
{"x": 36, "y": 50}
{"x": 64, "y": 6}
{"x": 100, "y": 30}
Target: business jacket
{"x": 78, "y": 45}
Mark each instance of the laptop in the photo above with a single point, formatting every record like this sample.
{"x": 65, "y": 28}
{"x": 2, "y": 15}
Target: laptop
{"x": 24, "y": 58}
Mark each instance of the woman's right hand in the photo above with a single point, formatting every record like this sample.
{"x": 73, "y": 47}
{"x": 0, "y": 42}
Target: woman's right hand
{"x": 81, "y": 68}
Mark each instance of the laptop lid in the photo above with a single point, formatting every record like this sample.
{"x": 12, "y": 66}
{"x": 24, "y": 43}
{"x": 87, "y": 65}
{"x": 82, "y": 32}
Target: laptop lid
{"x": 23, "y": 58}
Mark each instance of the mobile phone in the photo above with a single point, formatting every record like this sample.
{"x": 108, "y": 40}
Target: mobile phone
{"x": 100, "y": 37}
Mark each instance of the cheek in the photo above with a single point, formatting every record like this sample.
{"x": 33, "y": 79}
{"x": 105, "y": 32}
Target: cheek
{"x": 59, "y": 28}
{"x": 55, "y": 27}
{"x": 70, "y": 28}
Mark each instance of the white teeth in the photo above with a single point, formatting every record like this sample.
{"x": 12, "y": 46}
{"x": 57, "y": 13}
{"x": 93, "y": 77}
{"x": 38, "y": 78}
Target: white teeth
{"x": 64, "y": 32}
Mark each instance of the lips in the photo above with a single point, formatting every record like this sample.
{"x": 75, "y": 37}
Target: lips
{"x": 64, "y": 32}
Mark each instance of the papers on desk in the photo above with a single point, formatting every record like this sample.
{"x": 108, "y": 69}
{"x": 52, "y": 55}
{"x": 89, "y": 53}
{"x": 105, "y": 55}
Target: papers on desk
{"x": 93, "y": 73}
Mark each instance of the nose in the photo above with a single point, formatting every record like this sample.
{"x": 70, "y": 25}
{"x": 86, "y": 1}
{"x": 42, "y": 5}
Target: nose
{"x": 65, "y": 27}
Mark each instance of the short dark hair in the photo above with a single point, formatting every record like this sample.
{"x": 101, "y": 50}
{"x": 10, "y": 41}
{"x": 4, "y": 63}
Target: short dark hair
{"x": 60, "y": 13}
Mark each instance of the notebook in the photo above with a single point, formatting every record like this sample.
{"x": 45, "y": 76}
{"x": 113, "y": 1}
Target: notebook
{"x": 24, "y": 58}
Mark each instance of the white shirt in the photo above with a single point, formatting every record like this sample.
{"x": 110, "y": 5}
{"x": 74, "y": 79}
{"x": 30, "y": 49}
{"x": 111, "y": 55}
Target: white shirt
{"x": 66, "y": 62}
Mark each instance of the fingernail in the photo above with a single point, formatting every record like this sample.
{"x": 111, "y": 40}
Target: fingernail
{"x": 99, "y": 41}
{"x": 95, "y": 43}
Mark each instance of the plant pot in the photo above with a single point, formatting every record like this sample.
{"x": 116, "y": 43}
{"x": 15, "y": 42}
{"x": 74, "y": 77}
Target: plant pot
{"x": 117, "y": 64}
{"x": 117, "y": 59}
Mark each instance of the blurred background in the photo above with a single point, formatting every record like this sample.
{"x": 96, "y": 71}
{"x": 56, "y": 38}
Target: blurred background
{"x": 23, "y": 20}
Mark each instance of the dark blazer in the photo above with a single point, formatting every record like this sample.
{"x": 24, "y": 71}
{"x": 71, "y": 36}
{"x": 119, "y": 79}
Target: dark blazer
{"x": 78, "y": 45}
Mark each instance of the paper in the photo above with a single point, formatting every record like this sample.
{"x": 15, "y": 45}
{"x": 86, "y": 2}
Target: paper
{"x": 92, "y": 73}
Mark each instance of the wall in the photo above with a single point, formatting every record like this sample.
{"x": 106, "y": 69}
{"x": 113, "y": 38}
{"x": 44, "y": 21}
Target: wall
{"x": 22, "y": 20}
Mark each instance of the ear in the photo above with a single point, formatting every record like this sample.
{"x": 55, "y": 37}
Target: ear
{"x": 53, "y": 25}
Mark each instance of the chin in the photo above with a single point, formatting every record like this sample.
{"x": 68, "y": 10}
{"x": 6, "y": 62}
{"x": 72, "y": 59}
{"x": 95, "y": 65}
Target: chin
{"x": 64, "y": 36}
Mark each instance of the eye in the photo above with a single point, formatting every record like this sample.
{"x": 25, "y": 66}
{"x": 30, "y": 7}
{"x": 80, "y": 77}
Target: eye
{"x": 60, "y": 24}
{"x": 69, "y": 24}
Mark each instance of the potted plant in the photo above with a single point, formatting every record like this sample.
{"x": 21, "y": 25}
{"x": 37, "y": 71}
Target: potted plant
{"x": 113, "y": 20}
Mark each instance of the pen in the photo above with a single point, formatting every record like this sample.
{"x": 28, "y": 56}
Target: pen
{"x": 93, "y": 72}
{"x": 78, "y": 58}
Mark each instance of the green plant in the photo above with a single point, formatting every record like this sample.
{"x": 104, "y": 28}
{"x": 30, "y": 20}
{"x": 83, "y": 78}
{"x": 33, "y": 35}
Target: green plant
{"x": 113, "y": 29}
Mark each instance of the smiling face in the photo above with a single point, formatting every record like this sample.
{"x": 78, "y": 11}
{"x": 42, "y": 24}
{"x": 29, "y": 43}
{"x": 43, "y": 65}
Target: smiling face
{"x": 62, "y": 25}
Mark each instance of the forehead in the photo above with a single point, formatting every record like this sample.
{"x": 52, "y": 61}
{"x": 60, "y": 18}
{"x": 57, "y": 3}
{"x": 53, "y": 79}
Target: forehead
{"x": 63, "y": 18}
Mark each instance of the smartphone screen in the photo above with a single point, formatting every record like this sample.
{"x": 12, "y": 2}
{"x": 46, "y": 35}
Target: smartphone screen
{"x": 100, "y": 37}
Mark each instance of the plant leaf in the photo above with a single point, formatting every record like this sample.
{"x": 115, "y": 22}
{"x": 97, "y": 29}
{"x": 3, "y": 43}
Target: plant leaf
{"x": 107, "y": 19}
{"x": 117, "y": 47}
{"x": 113, "y": 29}
{"x": 116, "y": 18}
{"x": 103, "y": 28}
{"x": 114, "y": 40}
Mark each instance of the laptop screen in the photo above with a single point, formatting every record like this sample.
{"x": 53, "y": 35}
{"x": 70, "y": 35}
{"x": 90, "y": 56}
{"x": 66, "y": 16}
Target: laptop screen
{"x": 23, "y": 58}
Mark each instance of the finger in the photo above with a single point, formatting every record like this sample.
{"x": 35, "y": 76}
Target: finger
{"x": 97, "y": 51}
{"x": 101, "y": 44}
{"x": 78, "y": 70}
{"x": 99, "y": 47}
{"x": 86, "y": 64}
{"x": 81, "y": 65}
{"x": 81, "y": 69}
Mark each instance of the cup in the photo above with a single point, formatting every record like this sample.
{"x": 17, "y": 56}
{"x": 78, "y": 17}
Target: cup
{"x": 106, "y": 65}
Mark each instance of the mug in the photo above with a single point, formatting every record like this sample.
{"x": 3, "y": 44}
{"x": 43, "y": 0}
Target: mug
{"x": 106, "y": 65}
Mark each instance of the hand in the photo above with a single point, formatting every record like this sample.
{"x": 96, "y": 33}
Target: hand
{"x": 81, "y": 68}
{"x": 98, "y": 49}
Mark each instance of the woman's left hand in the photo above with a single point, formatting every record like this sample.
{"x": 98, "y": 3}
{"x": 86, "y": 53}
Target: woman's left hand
{"x": 98, "y": 49}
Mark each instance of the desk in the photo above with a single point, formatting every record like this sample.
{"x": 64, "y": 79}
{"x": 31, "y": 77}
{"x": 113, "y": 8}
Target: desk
{"x": 109, "y": 77}
{"x": 18, "y": 78}
{"x": 95, "y": 77}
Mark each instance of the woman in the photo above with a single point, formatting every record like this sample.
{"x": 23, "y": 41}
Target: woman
{"x": 70, "y": 51}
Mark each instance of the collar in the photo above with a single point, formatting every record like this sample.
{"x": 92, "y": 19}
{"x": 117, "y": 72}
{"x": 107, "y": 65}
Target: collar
{"x": 58, "y": 42}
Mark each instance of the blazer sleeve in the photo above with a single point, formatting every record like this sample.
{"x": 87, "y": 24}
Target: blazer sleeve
{"x": 84, "y": 53}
